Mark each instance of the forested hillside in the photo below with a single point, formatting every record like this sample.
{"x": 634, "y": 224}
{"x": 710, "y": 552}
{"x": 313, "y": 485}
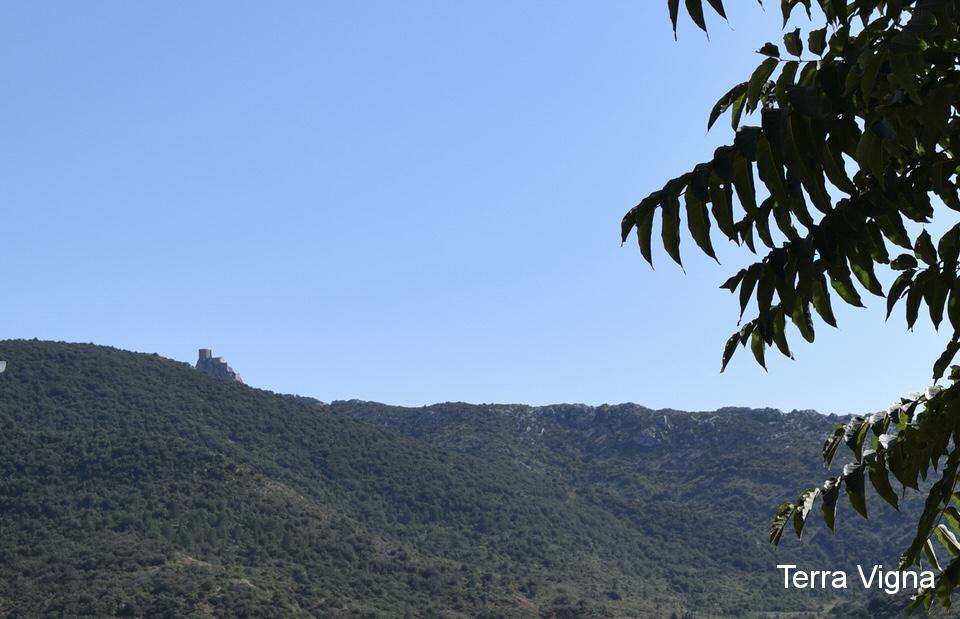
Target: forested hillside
{"x": 698, "y": 488}
{"x": 132, "y": 485}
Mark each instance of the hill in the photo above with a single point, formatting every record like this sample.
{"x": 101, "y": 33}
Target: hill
{"x": 698, "y": 487}
{"x": 132, "y": 485}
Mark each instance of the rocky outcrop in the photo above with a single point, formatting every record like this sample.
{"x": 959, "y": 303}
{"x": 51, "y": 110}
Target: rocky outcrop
{"x": 216, "y": 366}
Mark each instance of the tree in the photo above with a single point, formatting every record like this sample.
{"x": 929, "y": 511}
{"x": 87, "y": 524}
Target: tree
{"x": 877, "y": 92}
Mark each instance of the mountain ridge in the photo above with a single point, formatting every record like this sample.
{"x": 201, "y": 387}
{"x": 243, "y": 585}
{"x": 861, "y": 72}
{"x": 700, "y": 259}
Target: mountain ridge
{"x": 133, "y": 485}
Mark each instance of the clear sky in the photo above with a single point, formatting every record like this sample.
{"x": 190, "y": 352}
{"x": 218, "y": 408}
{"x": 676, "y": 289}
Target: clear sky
{"x": 406, "y": 202}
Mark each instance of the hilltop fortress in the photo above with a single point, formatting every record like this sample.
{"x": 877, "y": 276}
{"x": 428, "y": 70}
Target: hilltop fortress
{"x": 216, "y": 366}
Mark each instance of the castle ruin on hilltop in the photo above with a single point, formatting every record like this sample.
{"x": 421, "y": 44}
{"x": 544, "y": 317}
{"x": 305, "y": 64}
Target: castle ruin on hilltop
{"x": 216, "y": 366}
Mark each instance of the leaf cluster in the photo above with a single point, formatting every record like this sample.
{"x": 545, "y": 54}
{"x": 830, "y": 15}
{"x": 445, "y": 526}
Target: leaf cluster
{"x": 855, "y": 150}
{"x": 914, "y": 441}
{"x": 851, "y": 148}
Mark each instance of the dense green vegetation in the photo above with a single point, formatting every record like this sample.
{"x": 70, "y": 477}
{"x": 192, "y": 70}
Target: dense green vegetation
{"x": 696, "y": 487}
{"x": 132, "y": 485}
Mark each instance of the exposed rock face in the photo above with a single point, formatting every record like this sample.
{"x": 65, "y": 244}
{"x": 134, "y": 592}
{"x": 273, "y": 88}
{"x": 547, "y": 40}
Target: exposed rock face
{"x": 216, "y": 366}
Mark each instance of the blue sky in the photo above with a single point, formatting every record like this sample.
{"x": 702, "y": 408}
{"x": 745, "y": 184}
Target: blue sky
{"x": 405, "y": 202}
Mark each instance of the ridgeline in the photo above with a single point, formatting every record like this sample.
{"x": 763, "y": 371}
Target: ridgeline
{"x": 133, "y": 485}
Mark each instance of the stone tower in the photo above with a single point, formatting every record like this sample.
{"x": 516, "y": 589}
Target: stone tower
{"x": 216, "y": 366}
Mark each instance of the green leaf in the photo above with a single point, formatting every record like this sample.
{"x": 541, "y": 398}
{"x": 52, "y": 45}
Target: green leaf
{"x": 734, "y": 281}
{"x": 903, "y": 262}
{"x": 931, "y": 555}
{"x": 935, "y": 294}
{"x": 792, "y": 42}
{"x": 952, "y": 516}
{"x": 745, "y": 142}
{"x": 803, "y": 321}
{"x": 905, "y": 76}
{"x": 840, "y": 280}
{"x": 787, "y": 6}
{"x": 670, "y": 231}
{"x": 746, "y": 286}
{"x": 924, "y": 250}
{"x": 760, "y": 76}
{"x": 786, "y": 80}
{"x": 784, "y": 218}
{"x": 897, "y": 289}
{"x": 870, "y": 154}
{"x": 743, "y": 183}
{"x": 945, "y": 358}
{"x": 800, "y": 152}
{"x": 891, "y": 224}
{"x": 808, "y": 74}
{"x": 817, "y": 41}
{"x": 722, "y": 164}
{"x": 718, "y": 7}
{"x": 736, "y": 110}
{"x": 947, "y": 539}
{"x": 862, "y": 267}
{"x": 644, "y": 224}
{"x": 674, "y": 8}
{"x": 853, "y": 480}
{"x": 832, "y": 443}
{"x": 729, "y": 348}
{"x": 949, "y": 246}
{"x": 945, "y": 584}
{"x": 830, "y": 493}
{"x": 953, "y": 306}
{"x": 821, "y": 300}
{"x": 877, "y": 472}
{"x": 698, "y": 222}
{"x": 838, "y": 9}
{"x": 876, "y": 247}
{"x": 721, "y": 205}
{"x": 914, "y": 296}
{"x": 771, "y": 171}
{"x": 780, "y": 521}
{"x": 695, "y": 10}
{"x": 745, "y": 230}
{"x": 769, "y": 49}
{"x": 780, "y": 333}
{"x": 765, "y": 288}
{"x": 937, "y": 496}
{"x": 871, "y": 69}
{"x": 879, "y": 423}
{"x": 630, "y": 220}
{"x": 854, "y": 433}
{"x": 724, "y": 103}
{"x": 757, "y": 347}
{"x": 832, "y": 161}
{"x": 802, "y": 507}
